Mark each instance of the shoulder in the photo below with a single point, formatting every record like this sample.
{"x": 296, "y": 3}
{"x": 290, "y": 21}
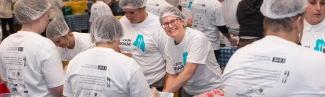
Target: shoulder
{"x": 195, "y": 34}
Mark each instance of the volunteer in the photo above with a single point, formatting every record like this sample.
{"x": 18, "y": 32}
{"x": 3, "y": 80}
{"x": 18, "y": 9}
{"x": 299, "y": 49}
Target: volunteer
{"x": 229, "y": 8}
{"x": 7, "y": 17}
{"x": 208, "y": 18}
{"x": 68, "y": 43}
{"x": 144, "y": 40}
{"x": 156, "y": 6}
{"x": 276, "y": 66}
{"x": 102, "y": 71}
{"x": 99, "y": 8}
{"x": 29, "y": 63}
{"x": 191, "y": 63}
{"x": 313, "y": 36}
{"x": 250, "y": 21}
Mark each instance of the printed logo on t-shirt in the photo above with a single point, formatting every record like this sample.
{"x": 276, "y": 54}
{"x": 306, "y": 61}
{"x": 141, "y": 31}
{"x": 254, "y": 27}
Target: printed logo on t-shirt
{"x": 251, "y": 92}
{"x": 139, "y": 43}
{"x": 180, "y": 65}
{"x": 126, "y": 42}
{"x": 319, "y": 45}
{"x": 15, "y": 61}
{"x": 278, "y": 60}
{"x": 185, "y": 54}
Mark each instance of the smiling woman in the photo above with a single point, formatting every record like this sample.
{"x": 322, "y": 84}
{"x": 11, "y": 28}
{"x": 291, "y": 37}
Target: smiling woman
{"x": 189, "y": 54}
{"x": 314, "y": 26}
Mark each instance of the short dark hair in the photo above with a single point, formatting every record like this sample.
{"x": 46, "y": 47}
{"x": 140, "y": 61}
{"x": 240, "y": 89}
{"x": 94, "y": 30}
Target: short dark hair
{"x": 276, "y": 25}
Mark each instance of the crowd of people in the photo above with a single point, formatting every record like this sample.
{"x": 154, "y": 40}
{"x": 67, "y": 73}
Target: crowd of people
{"x": 162, "y": 46}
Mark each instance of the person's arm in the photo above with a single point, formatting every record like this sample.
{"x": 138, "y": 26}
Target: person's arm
{"x": 224, "y": 30}
{"x": 52, "y": 69}
{"x": 57, "y": 91}
{"x": 175, "y": 82}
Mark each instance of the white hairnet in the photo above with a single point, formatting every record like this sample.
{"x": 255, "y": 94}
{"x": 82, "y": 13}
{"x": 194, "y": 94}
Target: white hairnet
{"x": 132, "y": 4}
{"x": 106, "y": 29}
{"x": 171, "y": 11}
{"x": 99, "y": 9}
{"x": 277, "y": 9}
{"x": 56, "y": 28}
{"x": 27, "y": 11}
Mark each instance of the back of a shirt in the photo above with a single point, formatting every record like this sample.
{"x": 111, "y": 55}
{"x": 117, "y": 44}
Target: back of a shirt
{"x": 207, "y": 15}
{"x": 102, "y": 72}
{"x": 274, "y": 67}
{"x": 28, "y": 63}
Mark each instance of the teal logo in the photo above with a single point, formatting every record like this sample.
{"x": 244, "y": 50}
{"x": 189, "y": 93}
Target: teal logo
{"x": 139, "y": 43}
{"x": 185, "y": 54}
{"x": 320, "y": 44}
{"x": 189, "y": 6}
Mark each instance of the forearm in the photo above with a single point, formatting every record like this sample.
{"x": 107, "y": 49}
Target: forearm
{"x": 224, "y": 30}
{"x": 174, "y": 84}
{"x": 179, "y": 80}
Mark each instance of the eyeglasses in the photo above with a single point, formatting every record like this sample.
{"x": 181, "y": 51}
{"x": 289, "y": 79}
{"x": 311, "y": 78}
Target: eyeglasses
{"x": 170, "y": 23}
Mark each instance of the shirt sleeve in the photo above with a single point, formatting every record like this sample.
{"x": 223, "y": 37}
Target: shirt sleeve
{"x": 67, "y": 90}
{"x": 138, "y": 85}
{"x": 52, "y": 67}
{"x": 2, "y": 69}
{"x": 199, "y": 50}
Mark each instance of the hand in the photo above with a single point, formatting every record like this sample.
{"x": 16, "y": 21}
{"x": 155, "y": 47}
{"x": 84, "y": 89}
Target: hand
{"x": 234, "y": 40}
{"x": 154, "y": 92}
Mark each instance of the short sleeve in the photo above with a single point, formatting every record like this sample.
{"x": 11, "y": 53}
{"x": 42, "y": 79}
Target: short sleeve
{"x": 52, "y": 67}
{"x": 138, "y": 86}
{"x": 2, "y": 69}
{"x": 198, "y": 51}
{"x": 67, "y": 90}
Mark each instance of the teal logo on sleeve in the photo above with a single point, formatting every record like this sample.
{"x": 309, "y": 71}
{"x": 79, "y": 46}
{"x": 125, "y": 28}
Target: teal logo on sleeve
{"x": 185, "y": 54}
{"x": 139, "y": 43}
{"x": 320, "y": 44}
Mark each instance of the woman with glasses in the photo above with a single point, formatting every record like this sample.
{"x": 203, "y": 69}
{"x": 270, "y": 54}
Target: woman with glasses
{"x": 191, "y": 63}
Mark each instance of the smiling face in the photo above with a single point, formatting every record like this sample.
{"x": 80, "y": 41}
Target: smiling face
{"x": 172, "y": 25}
{"x": 315, "y": 11}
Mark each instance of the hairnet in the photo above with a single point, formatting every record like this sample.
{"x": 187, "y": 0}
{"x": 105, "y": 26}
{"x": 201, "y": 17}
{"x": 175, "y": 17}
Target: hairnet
{"x": 277, "y": 9}
{"x": 171, "y": 11}
{"x": 56, "y": 28}
{"x": 27, "y": 11}
{"x": 99, "y": 9}
{"x": 132, "y": 4}
{"x": 106, "y": 29}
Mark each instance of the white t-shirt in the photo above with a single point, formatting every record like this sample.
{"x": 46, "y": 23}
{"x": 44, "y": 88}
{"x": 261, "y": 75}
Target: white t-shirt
{"x": 102, "y": 72}
{"x": 274, "y": 67}
{"x": 313, "y": 36}
{"x": 194, "y": 48}
{"x": 207, "y": 15}
{"x": 82, "y": 43}
{"x": 156, "y": 6}
{"x": 229, "y": 8}
{"x": 31, "y": 64}
{"x": 146, "y": 42}
{"x": 99, "y": 9}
